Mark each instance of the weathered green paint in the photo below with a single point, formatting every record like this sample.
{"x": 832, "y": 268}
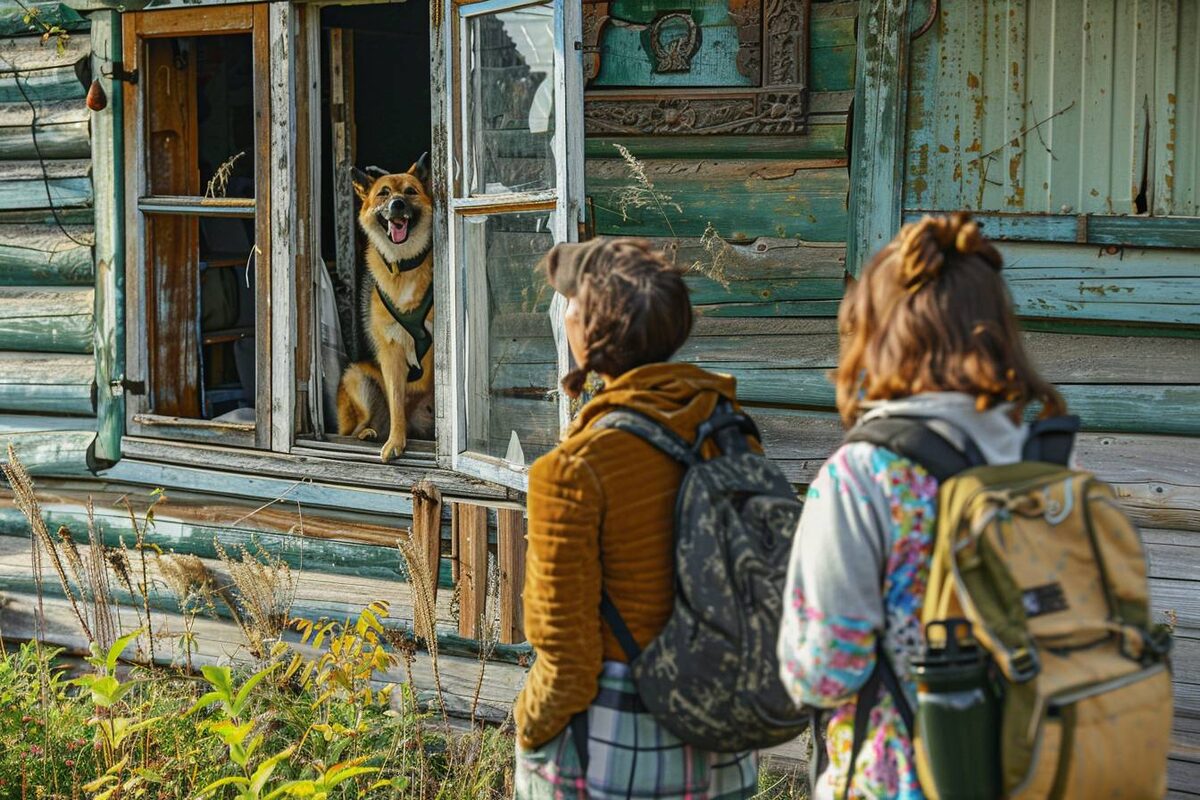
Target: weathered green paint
{"x": 47, "y": 85}
{"x": 46, "y": 384}
{"x": 55, "y": 320}
{"x": 742, "y": 200}
{"x": 1037, "y": 106}
{"x": 1173, "y": 232}
{"x": 626, "y": 54}
{"x": 108, "y": 176}
{"x": 32, "y": 255}
{"x": 877, "y": 152}
{"x": 61, "y": 140}
{"x": 47, "y": 445}
{"x": 21, "y": 193}
{"x": 821, "y": 140}
{"x": 831, "y": 55}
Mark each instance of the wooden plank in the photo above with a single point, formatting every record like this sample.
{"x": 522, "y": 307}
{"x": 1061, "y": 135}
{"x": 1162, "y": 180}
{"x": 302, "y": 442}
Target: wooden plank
{"x": 48, "y": 445}
{"x": 427, "y": 526}
{"x": 61, "y": 128}
{"x": 1173, "y": 554}
{"x": 108, "y": 171}
{"x": 470, "y": 531}
{"x": 62, "y": 184}
{"x": 510, "y": 556}
{"x": 880, "y": 106}
{"x": 32, "y": 255}
{"x": 46, "y": 384}
{"x": 46, "y": 320}
{"x": 825, "y": 138}
{"x": 743, "y": 200}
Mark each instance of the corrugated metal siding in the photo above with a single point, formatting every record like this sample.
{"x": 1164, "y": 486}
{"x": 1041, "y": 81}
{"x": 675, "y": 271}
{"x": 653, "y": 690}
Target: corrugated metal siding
{"x": 1054, "y": 106}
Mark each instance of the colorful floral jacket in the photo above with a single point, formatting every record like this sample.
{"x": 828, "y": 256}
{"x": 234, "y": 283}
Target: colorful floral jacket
{"x": 859, "y": 569}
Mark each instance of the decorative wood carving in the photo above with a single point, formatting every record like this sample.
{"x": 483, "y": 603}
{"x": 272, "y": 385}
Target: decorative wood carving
{"x": 772, "y": 53}
{"x": 675, "y": 55}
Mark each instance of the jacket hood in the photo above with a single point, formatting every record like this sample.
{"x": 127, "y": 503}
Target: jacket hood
{"x": 999, "y": 438}
{"x": 680, "y": 396}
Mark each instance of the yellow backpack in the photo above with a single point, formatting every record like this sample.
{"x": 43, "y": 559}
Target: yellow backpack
{"x": 1045, "y": 565}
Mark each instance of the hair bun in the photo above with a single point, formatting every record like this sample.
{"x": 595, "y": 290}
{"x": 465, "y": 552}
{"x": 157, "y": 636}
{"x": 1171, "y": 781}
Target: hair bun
{"x": 925, "y": 245}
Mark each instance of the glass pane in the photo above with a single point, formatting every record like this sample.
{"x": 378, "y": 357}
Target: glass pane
{"x": 200, "y": 115}
{"x": 201, "y": 312}
{"x": 512, "y": 399}
{"x": 510, "y": 101}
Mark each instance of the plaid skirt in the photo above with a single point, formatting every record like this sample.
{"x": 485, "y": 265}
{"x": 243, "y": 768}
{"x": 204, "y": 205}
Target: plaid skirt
{"x": 630, "y": 756}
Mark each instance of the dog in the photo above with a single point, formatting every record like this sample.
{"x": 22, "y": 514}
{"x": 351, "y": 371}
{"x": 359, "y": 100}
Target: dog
{"x": 393, "y": 394}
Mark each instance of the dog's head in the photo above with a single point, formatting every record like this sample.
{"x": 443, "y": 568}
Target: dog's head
{"x": 397, "y": 211}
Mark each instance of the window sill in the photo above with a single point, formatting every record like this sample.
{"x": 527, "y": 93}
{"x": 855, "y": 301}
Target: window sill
{"x": 311, "y": 464}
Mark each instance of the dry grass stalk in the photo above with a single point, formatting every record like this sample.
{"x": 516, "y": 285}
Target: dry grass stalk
{"x": 489, "y": 631}
{"x": 423, "y": 583}
{"x": 218, "y": 185}
{"x": 265, "y": 590}
{"x": 192, "y": 584}
{"x": 143, "y": 586}
{"x": 26, "y": 500}
{"x": 642, "y": 193}
{"x": 103, "y": 624}
{"x": 717, "y": 252}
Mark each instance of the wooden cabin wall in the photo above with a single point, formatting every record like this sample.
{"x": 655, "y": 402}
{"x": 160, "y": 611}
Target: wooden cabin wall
{"x": 46, "y": 272}
{"x": 1045, "y": 110}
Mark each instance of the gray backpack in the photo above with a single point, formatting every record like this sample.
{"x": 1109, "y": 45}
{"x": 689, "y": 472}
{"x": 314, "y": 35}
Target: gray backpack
{"x": 711, "y": 676}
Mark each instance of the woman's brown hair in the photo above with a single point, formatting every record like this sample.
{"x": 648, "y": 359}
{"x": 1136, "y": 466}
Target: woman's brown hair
{"x": 931, "y": 313}
{"x": 635, "y": 309}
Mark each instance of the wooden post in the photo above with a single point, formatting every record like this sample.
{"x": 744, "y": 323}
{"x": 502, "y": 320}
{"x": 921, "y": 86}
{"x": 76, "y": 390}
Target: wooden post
{"x": 341, "y": 109}
{"x": 427, "y": 528}
{"x": 470, "y": 529}
{"x": 510, "y": 554}
{"x": 880, "y": 114}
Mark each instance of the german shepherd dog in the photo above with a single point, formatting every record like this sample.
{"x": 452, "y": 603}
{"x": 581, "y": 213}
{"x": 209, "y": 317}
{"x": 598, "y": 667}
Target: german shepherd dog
{"x": 393, "y": 394}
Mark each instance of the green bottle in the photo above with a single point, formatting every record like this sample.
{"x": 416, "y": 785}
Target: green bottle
{"x": 958, "y": 713}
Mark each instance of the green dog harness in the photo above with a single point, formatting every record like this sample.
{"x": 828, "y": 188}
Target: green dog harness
{"x": 414, "y": 323}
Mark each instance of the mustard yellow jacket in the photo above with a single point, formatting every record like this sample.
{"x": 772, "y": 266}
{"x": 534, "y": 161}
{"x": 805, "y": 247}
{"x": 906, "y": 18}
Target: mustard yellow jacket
{"x": 601, "y": 508}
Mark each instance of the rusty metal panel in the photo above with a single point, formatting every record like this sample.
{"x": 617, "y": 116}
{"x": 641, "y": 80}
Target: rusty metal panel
{"x": 1057, "y": 106}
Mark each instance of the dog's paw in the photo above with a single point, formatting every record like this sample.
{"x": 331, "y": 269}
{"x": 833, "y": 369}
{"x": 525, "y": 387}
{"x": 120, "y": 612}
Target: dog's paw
{"x": 367, "y": 433}
{"x": 393, "y": 448}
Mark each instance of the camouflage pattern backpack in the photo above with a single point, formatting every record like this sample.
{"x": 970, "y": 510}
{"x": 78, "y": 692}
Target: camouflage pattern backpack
{"x": 711, "y": 676}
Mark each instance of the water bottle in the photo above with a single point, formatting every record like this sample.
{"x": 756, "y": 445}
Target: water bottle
{"x": 958, "y": 713}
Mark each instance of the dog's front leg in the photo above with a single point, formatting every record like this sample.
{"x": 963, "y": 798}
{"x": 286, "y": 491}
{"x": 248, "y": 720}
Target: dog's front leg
{"x": 394, "y": 365}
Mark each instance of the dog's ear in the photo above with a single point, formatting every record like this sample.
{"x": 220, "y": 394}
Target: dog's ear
{"x": 362, "y": 183}
{"x": 420, "y": 170}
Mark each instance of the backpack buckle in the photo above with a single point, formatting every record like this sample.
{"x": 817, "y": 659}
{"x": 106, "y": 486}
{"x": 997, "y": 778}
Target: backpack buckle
{"x": 1023, "y": 665}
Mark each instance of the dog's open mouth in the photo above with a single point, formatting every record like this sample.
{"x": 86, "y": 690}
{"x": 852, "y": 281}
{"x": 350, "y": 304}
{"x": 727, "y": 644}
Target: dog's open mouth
{"x": 397, "y": 230}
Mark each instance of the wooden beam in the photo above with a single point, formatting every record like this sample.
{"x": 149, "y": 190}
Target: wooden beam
{"x": 427, "y": 527}
{"x": 510, "y": 555}
{"x": 341, "y": 113}
{"x": 469, "y": 528}
{"x": 880, "y": 111}
{"x": 108, "y": 171}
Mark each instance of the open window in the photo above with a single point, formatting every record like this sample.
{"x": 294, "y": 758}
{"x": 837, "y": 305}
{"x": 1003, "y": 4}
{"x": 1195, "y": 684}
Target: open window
{"x": 197, "y": 136}
{"x": 513, "y": 168}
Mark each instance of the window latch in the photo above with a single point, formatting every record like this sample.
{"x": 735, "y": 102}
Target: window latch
{"x": 118, "y": 73}
{"x": 132, "y": 387}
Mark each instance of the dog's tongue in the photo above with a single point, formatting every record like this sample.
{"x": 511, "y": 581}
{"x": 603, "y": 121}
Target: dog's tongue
{"x": 398, "y": 231}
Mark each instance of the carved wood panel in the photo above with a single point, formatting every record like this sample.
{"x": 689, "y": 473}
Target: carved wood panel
{"x": 772, "y": 53}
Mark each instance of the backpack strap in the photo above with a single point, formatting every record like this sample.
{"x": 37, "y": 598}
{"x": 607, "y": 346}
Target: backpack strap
{"x": 919, "y": 441}
{"x": 1051, "y": 440}
{"x": 650, "y": 431}
{"x": 883, "y": 675}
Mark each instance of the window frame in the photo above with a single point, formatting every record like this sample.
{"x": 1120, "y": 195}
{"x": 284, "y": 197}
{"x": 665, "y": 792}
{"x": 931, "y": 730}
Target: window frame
{"x": 286, "y": 37}
{"x": 137, "y": 27}
{"x": 457, "y": 293}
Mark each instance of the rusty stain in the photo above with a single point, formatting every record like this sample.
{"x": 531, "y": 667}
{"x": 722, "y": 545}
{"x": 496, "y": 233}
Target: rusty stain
{"x": 943, "y": 149}
{"x": 972, "y": 80}
{"x": 1103, "y": 291}
{"x": 1016, "y": 69}
{"x": 975, "y": 146}
{"x": 1095, "y": 192}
